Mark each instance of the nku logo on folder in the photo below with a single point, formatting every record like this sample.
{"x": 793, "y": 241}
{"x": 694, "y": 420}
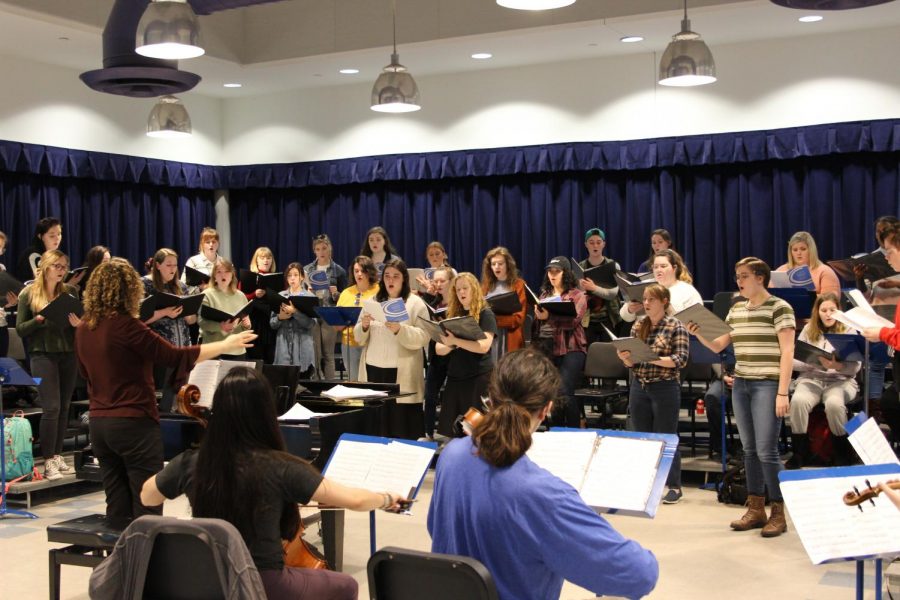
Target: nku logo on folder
{"x": 395, "y": 310}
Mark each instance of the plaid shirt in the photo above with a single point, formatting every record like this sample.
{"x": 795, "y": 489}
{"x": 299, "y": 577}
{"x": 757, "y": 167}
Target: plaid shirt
{"x": 668, "y": 338}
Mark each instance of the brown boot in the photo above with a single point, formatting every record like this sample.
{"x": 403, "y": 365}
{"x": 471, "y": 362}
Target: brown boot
{"x": 777, "y": 523}
{"x": 755, "y": 515}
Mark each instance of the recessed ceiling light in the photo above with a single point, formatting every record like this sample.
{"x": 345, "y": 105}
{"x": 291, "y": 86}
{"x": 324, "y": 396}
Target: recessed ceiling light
{"x": 811, "y": 19}
{"x": 630, "y": 39}
{"x": 349, "y": 71}
{"x": 482, "y": 55}
{"x": 232, "y": 85}
{"x": 63, "y": 38}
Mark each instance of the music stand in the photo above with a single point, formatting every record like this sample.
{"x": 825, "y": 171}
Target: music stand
{"x": 10, "y": 374}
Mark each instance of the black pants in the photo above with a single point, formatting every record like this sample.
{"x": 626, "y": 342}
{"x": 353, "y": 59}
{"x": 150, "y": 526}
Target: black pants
{"x": 57, "y": 371}
{"x": 434, "y": 380}
{"x": 130, "y": 451}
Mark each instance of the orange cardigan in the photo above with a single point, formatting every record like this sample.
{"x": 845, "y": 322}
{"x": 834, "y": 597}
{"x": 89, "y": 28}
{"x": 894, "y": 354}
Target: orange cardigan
{"x": 514, "y": 324}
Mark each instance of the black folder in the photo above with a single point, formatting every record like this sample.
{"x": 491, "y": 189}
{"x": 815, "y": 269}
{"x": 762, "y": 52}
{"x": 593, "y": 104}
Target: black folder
{"x": 877, "y": 266}
{"x": 801, "y": 300}
{"x": 603, "y": 275}
{"x": 465, "y": 327}
{"x": 190, "y": 303}
{"x": 193, "y": 277}
{"x": 8, "y": 283}
{"x": 633, "y": 291}
{"x": 306, "y": 304}
{"x": 58, "y": 311}
{"x": 272, "y": 301}
{"x": 557, "y": 308}
{"x": 436, "y": 313}
{"x": 505, "y": 304}
{"x": 809, "y": 354}
{"x": 214, "y": 314}
{"x": 74, "y": 272}
{"x": 251, "y": 281}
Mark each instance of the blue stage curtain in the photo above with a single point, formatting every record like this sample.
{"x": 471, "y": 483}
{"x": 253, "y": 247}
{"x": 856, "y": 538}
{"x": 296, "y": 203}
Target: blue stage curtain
{"x": 722, "y": 197}
{"x": 132, "y": 219}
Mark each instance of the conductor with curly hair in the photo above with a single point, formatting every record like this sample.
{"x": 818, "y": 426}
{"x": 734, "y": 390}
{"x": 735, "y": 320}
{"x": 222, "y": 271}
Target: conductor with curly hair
{"x": 116, "y": 353}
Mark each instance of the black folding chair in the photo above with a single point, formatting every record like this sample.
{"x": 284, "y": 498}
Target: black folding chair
{"x": 400, "y": 574}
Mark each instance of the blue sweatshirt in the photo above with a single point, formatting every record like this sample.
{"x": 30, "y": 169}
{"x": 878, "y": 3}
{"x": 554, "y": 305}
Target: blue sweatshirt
{"x": 531, "y": 530}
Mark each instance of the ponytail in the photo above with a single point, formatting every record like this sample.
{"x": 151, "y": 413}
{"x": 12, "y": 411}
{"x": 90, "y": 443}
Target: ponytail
{"x": 522, "y": 384}
{"x": 504, "y": 434}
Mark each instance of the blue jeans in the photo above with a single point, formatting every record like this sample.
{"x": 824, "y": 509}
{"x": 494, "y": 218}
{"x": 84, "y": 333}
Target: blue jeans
{"x": 571, "y": 370}
{"x": 754, "y": 410}
{"x": 351, "y": 355}
{"x": 654, "y": 408}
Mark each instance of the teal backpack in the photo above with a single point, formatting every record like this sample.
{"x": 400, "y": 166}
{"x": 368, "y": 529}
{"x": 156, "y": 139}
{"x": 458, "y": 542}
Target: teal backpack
{"x": 17, "y": 441}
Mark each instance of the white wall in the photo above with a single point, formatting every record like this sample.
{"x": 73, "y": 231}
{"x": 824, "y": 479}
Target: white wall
{"x": 43, "y": 104}
{"x": 762, "y": 85}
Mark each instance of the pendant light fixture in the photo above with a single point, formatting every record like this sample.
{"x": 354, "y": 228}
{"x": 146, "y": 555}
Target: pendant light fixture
{"x": 534, "y": 4}
{"x": 687, "y": 60}
{"x": 395, "y": 90}
{"x": 168, "y": 29}
{"x": 169, "y": 119}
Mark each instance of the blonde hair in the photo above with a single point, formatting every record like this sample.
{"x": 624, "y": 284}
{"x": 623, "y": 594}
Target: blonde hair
{"x": 804, "y": 237}
{"x": 455, "y": 307}
{"x": 114, "y": 289}
{"x": 39, "y": 296}
{"x": 262, "y": 251}
{"x": 228, "y": 266}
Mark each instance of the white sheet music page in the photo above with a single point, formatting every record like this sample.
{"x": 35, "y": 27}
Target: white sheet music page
{"x": 399, "y": 468}
{"x": 622, "y": 473}
{"x": 566, "y": 454}
{"x": 205, "y": 375}
{"x": 871, "y": 445}
{"x": 351, "y": 461}
{"x": 830, "y": 530}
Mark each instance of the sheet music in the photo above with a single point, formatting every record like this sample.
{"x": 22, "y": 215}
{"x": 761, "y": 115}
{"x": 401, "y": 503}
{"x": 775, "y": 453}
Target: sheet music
{"x": 343, "y": 392}
{"x": 621, "y": 473}
{"x": 399, "y": 468}
{"x": 298, "y": 412}
{"x": 350, "y": 462}
{"x": 374, "y": 308}
{"x": 859, "y": 318}
{"x": 871, "y": 445}
{"x": 831, "y": 530}
{"x": 566, "y": 454}
{"x": 206, "y": 375}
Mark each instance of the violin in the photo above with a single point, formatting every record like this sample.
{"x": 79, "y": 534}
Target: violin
{"x": 469, "y": 421}
{"x": 297, "y": 552}
{"x": 856, "y": 498}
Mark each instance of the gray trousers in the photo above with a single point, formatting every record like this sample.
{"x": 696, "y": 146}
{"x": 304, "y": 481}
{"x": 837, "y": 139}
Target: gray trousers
{"x": 810, "y": 391}
{"x": 57, "y": 373}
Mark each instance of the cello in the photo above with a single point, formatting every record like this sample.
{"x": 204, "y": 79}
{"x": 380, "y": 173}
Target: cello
{"x": 297, "y": 551}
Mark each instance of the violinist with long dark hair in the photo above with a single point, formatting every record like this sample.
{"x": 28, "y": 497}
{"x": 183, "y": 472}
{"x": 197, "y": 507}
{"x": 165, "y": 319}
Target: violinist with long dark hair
{"x": 242, "y": 474}
{"x": 528, "y": 527}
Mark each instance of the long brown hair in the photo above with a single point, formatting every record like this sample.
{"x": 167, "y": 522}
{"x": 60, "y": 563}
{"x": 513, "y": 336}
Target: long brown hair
{"x": 159, "y": 258}
{"x": 228, "y": 266}
{"x": 455, "y": 307}
{"x": 661, "y": 293}
{"x": 488, "y": 279}
{"x": 114, "y": 289}
{"x": 38, "y": 294}
{"x": 816, "y": 328}
{"x": 522, "y": 384}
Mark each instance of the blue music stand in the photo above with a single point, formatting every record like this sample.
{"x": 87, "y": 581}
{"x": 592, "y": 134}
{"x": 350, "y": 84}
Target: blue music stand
{"x": 10, "y": 374}
{"x": 801, "y": 300}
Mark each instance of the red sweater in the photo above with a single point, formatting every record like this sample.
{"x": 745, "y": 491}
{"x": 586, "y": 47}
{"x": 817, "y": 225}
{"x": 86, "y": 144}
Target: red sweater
{"x": 891, "y": 335}
{"x": 117, "y": 361}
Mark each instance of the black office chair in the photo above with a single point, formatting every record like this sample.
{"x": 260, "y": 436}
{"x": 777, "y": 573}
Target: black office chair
{"x": 183, "y": 563}
{"x": 400, "y": 574}
{"x": 722, "y": 303}
{"x": 604, "y": 370}
{"x": 695, "y": 380}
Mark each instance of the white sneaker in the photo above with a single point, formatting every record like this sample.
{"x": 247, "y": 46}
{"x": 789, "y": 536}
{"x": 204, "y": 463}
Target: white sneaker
{"x": 425, "y": 438}
{"x": 61, "y": 464}
{"x": 51, "y": 471}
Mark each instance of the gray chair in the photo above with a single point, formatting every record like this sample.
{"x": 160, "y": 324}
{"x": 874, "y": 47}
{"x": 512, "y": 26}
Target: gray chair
{"x": 400, "y": 574}
{"x": 16, "y": 347}
{"x": 604, "y": 371}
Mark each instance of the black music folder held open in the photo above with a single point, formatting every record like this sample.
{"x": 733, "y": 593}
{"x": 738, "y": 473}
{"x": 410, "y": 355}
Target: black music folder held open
{"x": 504, "y": 304}
{"x": 8, "y": 284}
{"x": 555, "y": 306}
{"x": 251, "y": 281}
{"x": 306, "y": 304}
{"x": 214, "y": 314}
{"x": 603, "y": 275}
{"x": 74, "y": 272}
{"x": 193, "y": 277}
{"x": 58, "y": 311}
{"x": 465, "y": 327}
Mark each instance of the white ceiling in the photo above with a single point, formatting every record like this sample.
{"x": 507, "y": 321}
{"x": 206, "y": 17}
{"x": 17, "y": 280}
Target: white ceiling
{"x": 38, "y": 30}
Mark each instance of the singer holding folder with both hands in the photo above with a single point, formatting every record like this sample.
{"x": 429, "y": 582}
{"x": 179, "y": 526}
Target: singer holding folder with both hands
{"x": 654, "y": 400}
{"x": 223, "y": 295}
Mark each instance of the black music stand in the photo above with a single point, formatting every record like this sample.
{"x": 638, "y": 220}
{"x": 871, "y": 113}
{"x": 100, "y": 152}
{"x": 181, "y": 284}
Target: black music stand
{"x": 701, "y": 354}
{"x": 10, "y": 374}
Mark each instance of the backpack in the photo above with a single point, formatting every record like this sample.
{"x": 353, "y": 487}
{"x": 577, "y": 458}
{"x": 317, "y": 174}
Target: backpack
{"x": 17, "y": 441}
{"x": 732, "y": 489}
{"x": 821, "y": 447}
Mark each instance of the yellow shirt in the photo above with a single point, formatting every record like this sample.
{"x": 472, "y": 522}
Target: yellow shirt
{"x": 353, "y": 297}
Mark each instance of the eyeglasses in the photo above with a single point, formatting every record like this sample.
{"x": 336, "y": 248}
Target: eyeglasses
{"x": 742, "y": 276}
{"x": 59, "y": 267}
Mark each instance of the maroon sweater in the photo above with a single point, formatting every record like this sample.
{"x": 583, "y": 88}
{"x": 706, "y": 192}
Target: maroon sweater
{"x": 117, "y": 361}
